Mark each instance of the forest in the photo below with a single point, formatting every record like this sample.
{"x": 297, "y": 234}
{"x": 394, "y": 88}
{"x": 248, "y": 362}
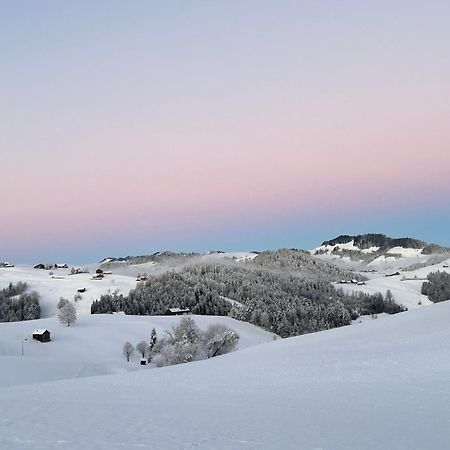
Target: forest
{"x": 17, "y": 305}
{"x": 437, "y": 287}
{"x": 286, "y": 292}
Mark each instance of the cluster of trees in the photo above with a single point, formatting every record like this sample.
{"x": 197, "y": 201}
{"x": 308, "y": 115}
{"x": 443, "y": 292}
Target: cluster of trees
{"x": 17, "y": 305}
{"x": 286, "y": 302}
{"x": 171, "y": 289}
{"x": 185, "y": 343}
{"x": 437, "y": 287}
{"x": 67, "y": 314}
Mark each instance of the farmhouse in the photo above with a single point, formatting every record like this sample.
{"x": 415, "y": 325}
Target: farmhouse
{"x": 41, "y": 335}
{"x": 177, "y": 311}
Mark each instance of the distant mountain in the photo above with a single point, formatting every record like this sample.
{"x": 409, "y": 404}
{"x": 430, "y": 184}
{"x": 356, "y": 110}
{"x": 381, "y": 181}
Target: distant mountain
{"x": 366, "y": 241}
{"x": 383, "y": 243}
{"x": 377, "y": 250}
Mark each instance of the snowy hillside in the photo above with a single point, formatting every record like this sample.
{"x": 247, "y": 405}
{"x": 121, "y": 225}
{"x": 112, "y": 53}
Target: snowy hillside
{"x": 381, "y": 384}
{"x": 378, "y": 252}
{"x": 405, "y": 287}
{"x": 62, "y": 284}
{"x": 92, "y": 346}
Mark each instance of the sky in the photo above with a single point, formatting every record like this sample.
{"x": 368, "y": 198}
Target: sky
{"x": 132, "y": 127}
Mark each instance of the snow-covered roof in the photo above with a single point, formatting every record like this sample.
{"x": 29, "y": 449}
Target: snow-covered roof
{"x": 178, "y": 309}
{"x": 40, "y": 331}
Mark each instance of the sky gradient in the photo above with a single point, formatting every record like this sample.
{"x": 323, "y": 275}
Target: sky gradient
{"x": 132, "y": 127}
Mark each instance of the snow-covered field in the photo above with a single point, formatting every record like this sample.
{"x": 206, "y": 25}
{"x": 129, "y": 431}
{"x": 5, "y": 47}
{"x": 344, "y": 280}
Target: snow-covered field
{"x": 406, "y": 287}
{"x": 51, "y": 289}
{"x": 381, "y": 384}
{"x": 92, "y": 346}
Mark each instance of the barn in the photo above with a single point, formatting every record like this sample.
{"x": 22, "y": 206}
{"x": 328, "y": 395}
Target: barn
{"x": 41, "y": 335}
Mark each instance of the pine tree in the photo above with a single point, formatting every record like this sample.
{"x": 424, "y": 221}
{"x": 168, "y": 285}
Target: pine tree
{"x": 152, "y": 343}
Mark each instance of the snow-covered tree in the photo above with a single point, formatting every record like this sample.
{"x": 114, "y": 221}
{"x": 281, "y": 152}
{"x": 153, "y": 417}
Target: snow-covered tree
{"x": 128, "y": 350}
{"x": 141, "y": 347}
{"x": 67, "y": 314}
{"x": 219, "y": 339}
{"x": 62, "y": 301}
{"x": 185, "y": 343}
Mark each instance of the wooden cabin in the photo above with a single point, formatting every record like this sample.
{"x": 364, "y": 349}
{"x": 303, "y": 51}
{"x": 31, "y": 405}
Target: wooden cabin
{"x": 41, "y": 335}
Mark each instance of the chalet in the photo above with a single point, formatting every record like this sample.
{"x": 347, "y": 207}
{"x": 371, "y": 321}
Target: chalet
{"x": 177, "y": 311}
{"x": 392, "y": 274}
{"x": 98, "y": 276}
{"x": 61, "y": 266}
{"x": 99, "y": 271}
{"x": 41, "y": 335}
{"x": 445, "y": 266}
{"x": 81, "y": 290}
{"x": 107, "y": 272}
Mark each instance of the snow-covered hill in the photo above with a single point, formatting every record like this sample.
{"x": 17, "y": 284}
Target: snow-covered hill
{"x": 405, "y": 287}
{"x": 92, "y": 346}
{"x": 378, "y": 252}
{"x": 381, "y": 384}
{"x": 62, "y": 284}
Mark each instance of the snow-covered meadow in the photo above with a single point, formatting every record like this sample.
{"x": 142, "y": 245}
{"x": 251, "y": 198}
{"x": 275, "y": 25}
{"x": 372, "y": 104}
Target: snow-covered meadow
{"x": 381, "y": 384}
{"x": 378, "y": 384}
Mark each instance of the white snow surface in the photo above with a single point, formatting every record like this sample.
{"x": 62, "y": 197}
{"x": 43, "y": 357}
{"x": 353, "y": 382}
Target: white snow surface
{"x": 92, "y": 346}
{"x": 381, "y": 384}
{"x": 51, "y": 289}
{"x": 406, "y": 287}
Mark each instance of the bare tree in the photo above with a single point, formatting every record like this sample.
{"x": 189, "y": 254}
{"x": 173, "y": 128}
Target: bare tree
{"x": 141, "y": 347}
{"x": 128, "y": 350}
{"x": 67, "y": 314}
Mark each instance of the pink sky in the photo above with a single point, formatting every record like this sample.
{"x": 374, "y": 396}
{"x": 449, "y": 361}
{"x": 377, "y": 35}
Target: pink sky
{"x": 149, "y": 123}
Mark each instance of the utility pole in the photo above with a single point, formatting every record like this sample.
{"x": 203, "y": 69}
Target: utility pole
{"x": 26, "y": 339}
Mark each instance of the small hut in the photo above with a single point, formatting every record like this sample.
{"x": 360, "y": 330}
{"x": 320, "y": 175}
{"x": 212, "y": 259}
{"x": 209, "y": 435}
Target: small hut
{"x": 41, "y": 335}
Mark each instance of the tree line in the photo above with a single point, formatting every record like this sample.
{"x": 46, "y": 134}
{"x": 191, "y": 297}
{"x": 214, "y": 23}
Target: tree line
{"x": 17, "y": 305}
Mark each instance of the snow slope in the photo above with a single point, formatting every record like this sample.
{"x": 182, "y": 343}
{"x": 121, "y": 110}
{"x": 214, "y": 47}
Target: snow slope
{"x": 92, "y": 346}
{"x": 381, "y": 384}
{"x": 51, "y": 289}
{"x": 406, "y": 287}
